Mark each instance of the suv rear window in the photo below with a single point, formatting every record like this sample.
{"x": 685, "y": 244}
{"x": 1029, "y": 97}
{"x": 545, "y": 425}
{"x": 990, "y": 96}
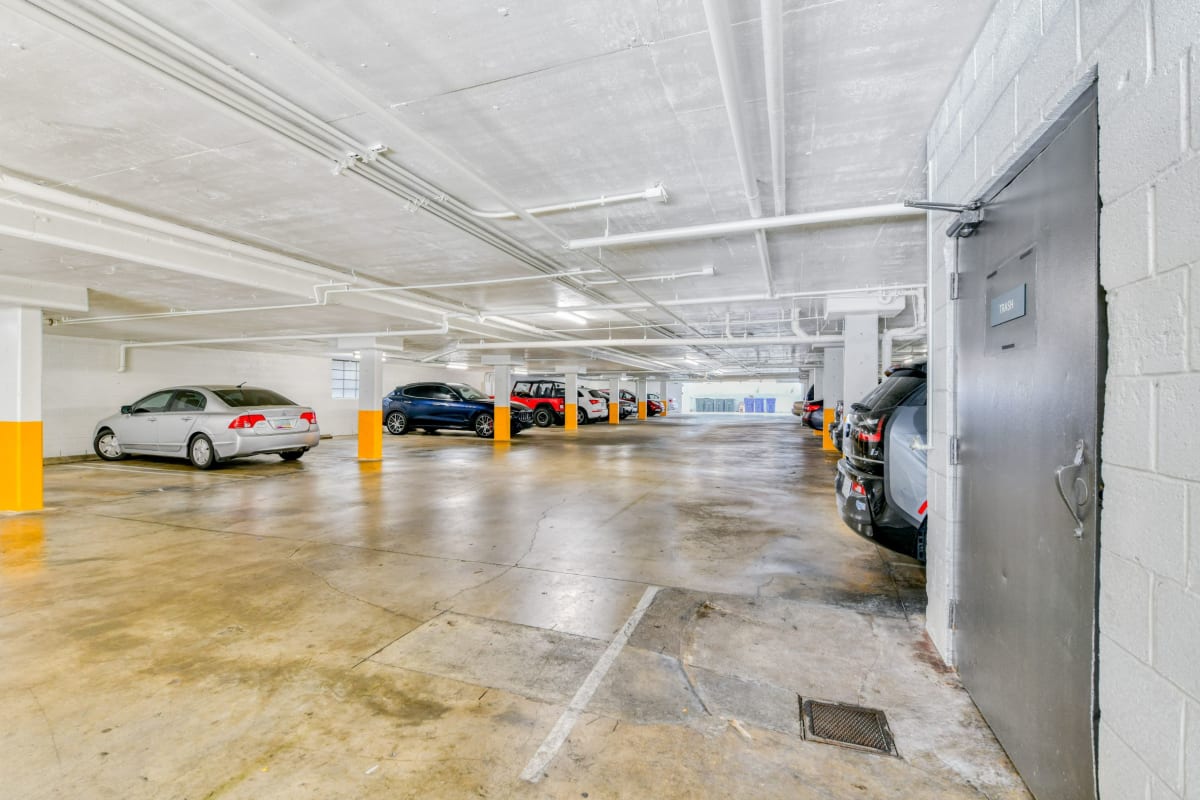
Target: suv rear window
{"x": 892, "y": 391}
{"x": 249, "y": 396}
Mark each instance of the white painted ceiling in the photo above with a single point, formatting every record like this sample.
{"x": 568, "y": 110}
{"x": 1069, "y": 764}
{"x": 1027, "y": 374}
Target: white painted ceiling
{"x": 188, "y": 113}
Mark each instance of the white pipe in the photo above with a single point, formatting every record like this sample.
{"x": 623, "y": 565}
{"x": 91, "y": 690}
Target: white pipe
{"x": 663, "y": 276}
{"x": 715, "y": 341}
{"x": 907, "y": 288}
{"x": 720, "y": 31}
{"x": 291, "y": 337}
{"x": 771, "y": 14}
{"x": 716, "y": 229}
{"x": 656, "y": 193}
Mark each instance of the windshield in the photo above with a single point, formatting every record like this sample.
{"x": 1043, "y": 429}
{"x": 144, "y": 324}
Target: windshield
{"x": 469, "y": 392}
{"x": 250, "y": 396}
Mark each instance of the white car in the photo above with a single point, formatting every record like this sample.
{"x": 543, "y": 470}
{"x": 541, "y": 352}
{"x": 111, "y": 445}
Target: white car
{"x": 595, "y": 403}
{"x": 207, "y": 425}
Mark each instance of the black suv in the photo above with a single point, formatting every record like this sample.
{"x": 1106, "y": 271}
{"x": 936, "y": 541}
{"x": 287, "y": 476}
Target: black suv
{"x": 881, "y": 482}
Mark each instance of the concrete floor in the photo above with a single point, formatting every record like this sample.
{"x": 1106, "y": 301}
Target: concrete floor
{"x": 416, "y": 628}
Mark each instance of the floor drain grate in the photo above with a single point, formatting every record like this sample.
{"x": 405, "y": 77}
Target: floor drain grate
{"x": 848, "y": 726}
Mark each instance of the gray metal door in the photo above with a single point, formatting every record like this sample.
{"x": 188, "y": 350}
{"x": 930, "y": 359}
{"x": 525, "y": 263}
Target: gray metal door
{"x": 1030, "y": 370}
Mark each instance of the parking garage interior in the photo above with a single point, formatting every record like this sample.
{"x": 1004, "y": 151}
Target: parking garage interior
{"x": 716, "y": 236}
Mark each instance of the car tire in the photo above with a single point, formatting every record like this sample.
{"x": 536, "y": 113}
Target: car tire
{"x": 292, "y": 455}
{"x": 543, "y": 416}
{"x": 485, "y": 425}
{"x": 581, "y": 416}
{"x": 201, "y": 452}
{"x": 396, "y": 423}
{"x": 107, "y": 446}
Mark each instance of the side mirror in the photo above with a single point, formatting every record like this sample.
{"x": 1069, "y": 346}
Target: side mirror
{"x": 126, "y": 409}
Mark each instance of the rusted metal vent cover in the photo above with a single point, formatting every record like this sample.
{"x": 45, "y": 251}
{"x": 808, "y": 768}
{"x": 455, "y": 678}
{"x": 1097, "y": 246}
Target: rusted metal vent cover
{"x": 848, "y": 726}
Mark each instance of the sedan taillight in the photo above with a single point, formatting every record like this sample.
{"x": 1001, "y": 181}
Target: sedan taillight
{"x": 247, "y": 421}
{"x": 310, "y": 417}
{"x": 594, "y": 401}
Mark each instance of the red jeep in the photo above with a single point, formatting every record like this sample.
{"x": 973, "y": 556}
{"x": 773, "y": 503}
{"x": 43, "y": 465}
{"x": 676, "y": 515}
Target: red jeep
{"x": 547, "y": 398}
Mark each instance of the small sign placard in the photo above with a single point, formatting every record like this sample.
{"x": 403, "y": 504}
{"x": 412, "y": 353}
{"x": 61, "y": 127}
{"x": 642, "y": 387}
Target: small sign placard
{"x": 1008, "y": 306}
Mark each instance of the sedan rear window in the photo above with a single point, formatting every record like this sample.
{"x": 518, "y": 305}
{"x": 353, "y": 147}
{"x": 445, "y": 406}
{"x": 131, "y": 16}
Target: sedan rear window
{"x": 249, "y": 396}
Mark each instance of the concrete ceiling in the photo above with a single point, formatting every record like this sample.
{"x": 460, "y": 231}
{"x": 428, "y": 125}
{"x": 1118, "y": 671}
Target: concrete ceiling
{"x": 172, "y": 155}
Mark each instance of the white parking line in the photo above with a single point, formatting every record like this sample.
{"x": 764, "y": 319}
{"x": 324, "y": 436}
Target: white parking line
{"x": 566, "y": 723}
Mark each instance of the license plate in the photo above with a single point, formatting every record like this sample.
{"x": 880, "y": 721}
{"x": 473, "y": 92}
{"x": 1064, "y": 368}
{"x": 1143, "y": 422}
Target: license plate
{"x": 284, "y": 424}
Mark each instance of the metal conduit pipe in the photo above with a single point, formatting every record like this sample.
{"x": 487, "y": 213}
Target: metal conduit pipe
{"x": 290, "y": 337}
{"x": 720, "y": 31}
{"x": 716, "y": 229}
{"x": 711, "y": 341}
{"x": 908, "y": 288}
{"x": 655, "y": 193}
{"x": 771, "y": 20}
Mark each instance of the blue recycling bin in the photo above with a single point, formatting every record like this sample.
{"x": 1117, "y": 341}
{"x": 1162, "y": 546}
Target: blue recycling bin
{"x": 758, "y": 405}
{"x": 770, "y": 405}
{"x": 748, "y": 404}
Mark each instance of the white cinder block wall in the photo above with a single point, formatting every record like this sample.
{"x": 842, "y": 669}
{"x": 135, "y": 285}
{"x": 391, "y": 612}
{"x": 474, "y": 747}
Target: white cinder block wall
{"x": 81, "y": 385}
{"x": 1031, "y": 57}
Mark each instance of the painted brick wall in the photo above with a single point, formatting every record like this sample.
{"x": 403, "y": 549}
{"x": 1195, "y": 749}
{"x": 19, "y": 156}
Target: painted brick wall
{"x": 1031, "y": 58}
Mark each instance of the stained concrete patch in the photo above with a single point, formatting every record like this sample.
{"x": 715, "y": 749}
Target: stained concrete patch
{"x": 531, "y": 662}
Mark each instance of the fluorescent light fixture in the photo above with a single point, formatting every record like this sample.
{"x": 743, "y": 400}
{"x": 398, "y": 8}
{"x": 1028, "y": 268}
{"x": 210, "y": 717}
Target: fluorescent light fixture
{"x": 456, "y": 365}
{"x": 567, "y": 315}
{"x": 692, "y": 361}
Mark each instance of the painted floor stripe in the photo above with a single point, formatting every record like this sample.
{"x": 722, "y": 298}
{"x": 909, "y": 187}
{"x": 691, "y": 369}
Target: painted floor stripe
{"x": 155, "y": 471}
{"x": 566, "y": 723}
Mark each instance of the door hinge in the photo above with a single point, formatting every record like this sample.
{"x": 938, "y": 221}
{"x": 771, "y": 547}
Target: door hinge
{"x": 955, "y": 284}
{"x": 952, "y": 446}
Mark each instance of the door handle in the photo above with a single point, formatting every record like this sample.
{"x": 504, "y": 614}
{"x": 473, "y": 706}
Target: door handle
{"x": 1080, "y": 492}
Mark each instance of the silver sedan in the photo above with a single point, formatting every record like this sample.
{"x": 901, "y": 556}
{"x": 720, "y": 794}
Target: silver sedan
{"x": 207, "y": 425}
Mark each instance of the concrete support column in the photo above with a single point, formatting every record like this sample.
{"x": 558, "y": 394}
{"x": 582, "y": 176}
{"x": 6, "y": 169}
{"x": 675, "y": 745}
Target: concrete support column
{"x": 861, "y": 367}
{"x": 640, "y": 391}
{"x": 835, "y": 359}
{"x": 662, "y": 396}
{"x": 502, "y": 419}
{"x": 370, "y": 404}
{"x": 20, "y": 409}
{"x": 614, "y": 401}
{"x": 571, "y": 401}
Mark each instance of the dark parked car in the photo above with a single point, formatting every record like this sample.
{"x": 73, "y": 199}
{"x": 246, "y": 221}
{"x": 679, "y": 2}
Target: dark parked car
{"x": 837, "y": 430}
{"x": 433, "y": 406}
{"x": 881, "y": 481}
{"x": 814, "y": 414}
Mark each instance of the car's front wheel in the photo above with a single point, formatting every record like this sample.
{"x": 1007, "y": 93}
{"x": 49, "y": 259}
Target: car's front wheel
{"x": 201, "y": 452}
{"x": 543, "y": 416}
{"x": 485, "y": 425}
{"x": 396, "y": 423}
{"x": 107, "y": 446}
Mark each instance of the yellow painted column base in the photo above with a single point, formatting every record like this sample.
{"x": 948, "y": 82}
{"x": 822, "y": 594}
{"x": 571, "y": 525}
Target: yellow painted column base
{"x": 642, "y": 409}
{"x": 614, "y": 413}
{"x": 571, "y": 417}
{"x": 503, "y": 421}
{"x": 826, "y": 438}
{"x": 21, "y": 466}
{"x": 370, "y": 435}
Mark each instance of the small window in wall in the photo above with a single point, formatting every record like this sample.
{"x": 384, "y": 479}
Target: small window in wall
{"x": 345, "y": 379}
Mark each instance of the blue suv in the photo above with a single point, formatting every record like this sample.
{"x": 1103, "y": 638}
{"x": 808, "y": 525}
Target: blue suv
{"x": 432, "y": 406}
